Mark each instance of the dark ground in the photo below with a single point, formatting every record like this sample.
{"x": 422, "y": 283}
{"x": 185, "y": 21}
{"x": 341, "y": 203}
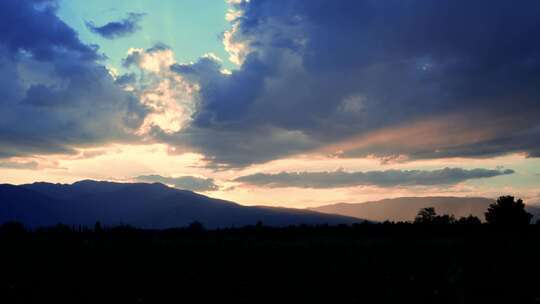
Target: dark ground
{"x": 365, "y": 263}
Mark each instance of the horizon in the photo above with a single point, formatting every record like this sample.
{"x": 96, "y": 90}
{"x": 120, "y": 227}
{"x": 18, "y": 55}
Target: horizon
{"x": 295, "y": 104}
{"x": 531, "y": 204}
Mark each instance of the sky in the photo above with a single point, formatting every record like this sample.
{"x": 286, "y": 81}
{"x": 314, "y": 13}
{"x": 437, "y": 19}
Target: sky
{"x": 289, "y": 103}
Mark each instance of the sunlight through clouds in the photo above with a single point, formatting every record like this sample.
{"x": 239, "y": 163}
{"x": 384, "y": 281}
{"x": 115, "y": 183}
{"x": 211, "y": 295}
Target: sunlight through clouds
{"x": 131, "y": 92}
{"x": 165, "y": 93}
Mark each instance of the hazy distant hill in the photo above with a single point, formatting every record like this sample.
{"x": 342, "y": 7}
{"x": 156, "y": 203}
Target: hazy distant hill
{"x": 140, "y": 205}
{"x": 406, "y": 208}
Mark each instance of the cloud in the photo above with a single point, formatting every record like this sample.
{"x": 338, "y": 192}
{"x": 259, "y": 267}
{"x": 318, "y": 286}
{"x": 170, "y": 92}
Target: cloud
{"x": 389, "y": 79}
{"x": 88, "y": 154}
{"x": 118, "y": 29}
{"x": 55, "y": 95}
{"x": 388, "y": 178}
{"x": 184, "y": 182}
{"x": 327, "y": 72}
{"x": 165, "y": 93}
{"x": 30, "y": 165}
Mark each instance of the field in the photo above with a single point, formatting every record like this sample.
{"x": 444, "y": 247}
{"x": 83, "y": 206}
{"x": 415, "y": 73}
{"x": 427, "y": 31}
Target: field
{"x": 366, "y": 263}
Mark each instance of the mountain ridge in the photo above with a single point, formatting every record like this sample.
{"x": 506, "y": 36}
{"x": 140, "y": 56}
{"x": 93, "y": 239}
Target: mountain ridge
{"x": 406, "y": 208}
{"x": 154, "y": 206}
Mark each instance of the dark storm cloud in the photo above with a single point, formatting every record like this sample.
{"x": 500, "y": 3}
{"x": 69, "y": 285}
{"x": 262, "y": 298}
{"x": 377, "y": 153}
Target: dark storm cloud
{"x": 55, "y": 95}
{"x": 118, "y": 29}
{"x": 318, "y": 72}
{"x": 184, "y": 182}
{"x": 389, "y": 178}
{"x": 32, "y": 25}
{"x": 394, "y": 79}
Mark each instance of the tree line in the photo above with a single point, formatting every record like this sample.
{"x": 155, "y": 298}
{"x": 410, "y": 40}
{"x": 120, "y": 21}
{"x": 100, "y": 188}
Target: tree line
{"x": 506, "y": 211}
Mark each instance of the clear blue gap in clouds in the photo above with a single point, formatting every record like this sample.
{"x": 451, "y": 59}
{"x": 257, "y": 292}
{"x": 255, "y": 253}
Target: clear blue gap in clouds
{"x": 190, "y": 27}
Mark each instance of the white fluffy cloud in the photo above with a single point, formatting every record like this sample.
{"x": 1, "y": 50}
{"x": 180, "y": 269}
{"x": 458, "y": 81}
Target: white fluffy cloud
{"x": 168, "y": 96}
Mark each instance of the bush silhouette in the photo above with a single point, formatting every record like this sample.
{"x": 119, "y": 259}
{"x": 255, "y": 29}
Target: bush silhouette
{"x": 12, "y": 228}
{"x": 196, "y": 226}
{"x": 469, "y": 220}
{"x": 97, "y": 227}
{"x": 508, "y": 212}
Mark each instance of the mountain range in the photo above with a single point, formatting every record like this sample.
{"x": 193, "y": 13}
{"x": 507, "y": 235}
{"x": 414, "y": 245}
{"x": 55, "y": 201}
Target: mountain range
{"x": 158, "y": 206}
{"x": 406, "y": 208}
{"x": 142, "y": 205}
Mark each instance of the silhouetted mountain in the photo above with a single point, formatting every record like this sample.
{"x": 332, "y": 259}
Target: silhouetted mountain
{"x": 69, "y": 191}
{"x": 141, "y": 205}
{"x": 27, "y": 206}
{"x": 406, "y": 208}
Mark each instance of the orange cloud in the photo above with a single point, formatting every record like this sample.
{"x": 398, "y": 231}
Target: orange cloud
{"x": 431, "y": 136}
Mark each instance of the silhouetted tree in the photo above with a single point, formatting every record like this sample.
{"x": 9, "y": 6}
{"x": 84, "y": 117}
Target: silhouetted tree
{"x": 469, "y": 220}
{"x": 196, "y": 227}
{"x": 508, "y": 212}
{"x": 444, "y": 219}
{"x": 12, "y": 228}
{"x": 425, "y": 215}
{"x": 60, "y": 229}
{"x": 429, "y": 216}
{"x": 97, "y": 227}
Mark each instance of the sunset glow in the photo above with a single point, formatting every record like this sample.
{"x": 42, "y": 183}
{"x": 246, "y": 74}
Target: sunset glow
{"x": 231, "y": 92}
